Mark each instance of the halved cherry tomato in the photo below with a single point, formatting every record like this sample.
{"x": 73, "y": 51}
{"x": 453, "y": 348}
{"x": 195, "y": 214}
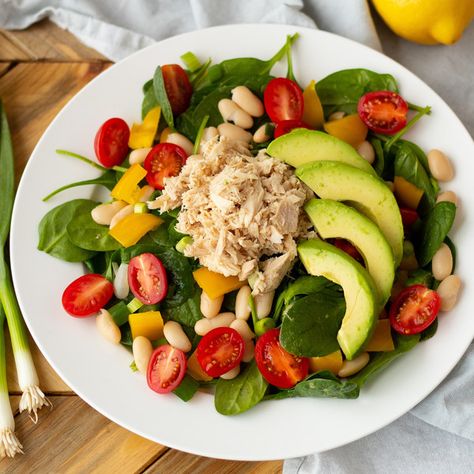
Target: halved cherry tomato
{"x": 283, "y": 100}
{"x": 87, "y": 294}
{"x": 163, "y": 160}
{"x": 166, "y": 369}
{"x": 279, "y": 367}
{"x": 147, "y": 278}
{"x": 415, "y": 308}
{"x": 409, "y": 216}
{"x": 219, "y": 351}
{"x": 286, "y": 126}
{"x": 383, "y": 111}
{"x": 347, "y": 247}
{"x": 178, "y": 88}
{"x": 111, "y": 142}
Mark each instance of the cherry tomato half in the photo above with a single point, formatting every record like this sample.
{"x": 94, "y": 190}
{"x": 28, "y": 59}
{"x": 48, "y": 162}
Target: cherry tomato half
{"x": 415, "y": 308}
{"x": 163, "y": 160}
{"x": 279, "y": 367}
{"x": 347, "y": 247}
{"x": 219, "y": 351}
{"x": 166, "y": 369}
{"x": 286, "y": 126}
{"x": 383, "y": 111}
{"x": 283, "y": 100}
{"x": 111, "y": 142}
{"x": 147, "y": 278}
{"x": 87, "y": 294}
{"x": 178, "y": 88}
{"x": 409, "y": 216}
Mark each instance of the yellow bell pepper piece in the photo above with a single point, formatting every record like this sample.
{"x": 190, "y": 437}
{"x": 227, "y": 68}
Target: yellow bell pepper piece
{"x": 382, "y": 338}
{"x": 313, "y": 114}
{"x": 214, "y": 284}
{"x": 133, "y": 227}
{"x": 164, "y": 134}
{"x": 331, "y": 362}
{"x": 143, "y": 134}
{"x": 148, "y": 324}
{"x": 407, "y": 193}
{"x": 195, "y": 371}
{"x": 127, "y": 188}
{"x": 350, "y": 128}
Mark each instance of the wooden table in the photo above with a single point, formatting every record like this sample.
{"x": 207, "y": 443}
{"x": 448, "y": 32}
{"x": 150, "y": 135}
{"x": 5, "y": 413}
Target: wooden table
{"x": 40, "y": 70}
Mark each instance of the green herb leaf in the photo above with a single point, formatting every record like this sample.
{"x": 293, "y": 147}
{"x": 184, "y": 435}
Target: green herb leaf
{"x": 187, "y": 388}
{"x": 188, "y": 313}
{"x": 162, "y": 97}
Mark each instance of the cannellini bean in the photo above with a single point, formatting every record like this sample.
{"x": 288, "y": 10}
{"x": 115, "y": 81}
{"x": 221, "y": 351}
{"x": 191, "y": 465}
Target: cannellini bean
{"x": 231, "y": 112}
{"x": 207, "y": 134}
{"x": 261, "y": 135}
{"x": 351, "y": 367}
{"x": 121, "y": 288}
{"x": 242, "y": 308}
{"x": 142, "y": 350}
{"x": 138, "y": 155}
{"x": 336, "y": 116}
{"x": 229, "y": 130}
{"x": 232, "y": 373}
{"x": 145, "y": 193}
{"x": 366, "y": 150}
{"x": 442, "y": 263}
{"x": 180, "y": 140}
{"x": 449, "y": 196}
{"x": 124, "y": 212}
{"x": 249, "y": 351}
{"x": 203, "y": 326}
{"x": 210, "y": 307}
{"x": 175, "y": 335}
{"x": 248, "y": 101}
{"x": 104, "y": 213}
{"x": 263, "y": 304}
{"x": 440, "y": 165}
{"x": 448, "y": 290}
{"x": 107, "y": 327}
{"x": 243, "y": 329}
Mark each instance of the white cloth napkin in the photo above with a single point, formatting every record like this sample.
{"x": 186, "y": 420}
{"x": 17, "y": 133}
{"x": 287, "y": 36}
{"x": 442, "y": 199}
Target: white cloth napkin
{"x": 437, "y": 436}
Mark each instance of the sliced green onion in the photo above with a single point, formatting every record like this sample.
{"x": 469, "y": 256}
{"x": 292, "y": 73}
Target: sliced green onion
{"x": 140, "y": 208}
{"x": 199, "y": 134}
{"x": 191, "y": 61}
{"x": 134, "y": 305}
{"x": 133, "y": 366}
{"x": 183, "y": 243}
{"x": 120, "y": 169}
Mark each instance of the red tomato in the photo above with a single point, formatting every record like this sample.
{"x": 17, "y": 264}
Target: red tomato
{"x": 111, "y": 142}
{"x": 347, "y": 247}
{"x": 219, "y": 351}
{"x": 163, "y": 160}
{"x": 178, "y": 88}
{"x": 283, "y": 100}
{"x": 286, "y": 126}
{"x": 383, "y": 111}
{"x": 415, "y": 308}
{"x": 166, "y": 369}
{"x": 86, "y": 295}
{"x": 409, "y": 216}
{"x": 279, "y": 367}
{"x": 147, "y": 278}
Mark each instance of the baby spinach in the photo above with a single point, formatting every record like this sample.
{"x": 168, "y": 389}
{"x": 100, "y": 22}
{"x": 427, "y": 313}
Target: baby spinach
{"x": 379, "y": 165}
{"x": 149, "y": 101}
{"x": 452, "y": 247}
{"x": 242, "y": 393}
{"x": 187, "y": 388}
{"x": 430, "y": 331}
{"x": 420, "y": 277}
{"x": 187, "y": 313}
{"x": 162, "y": 97}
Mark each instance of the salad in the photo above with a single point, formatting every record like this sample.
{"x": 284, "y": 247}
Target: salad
{"x": 263, "y": 240}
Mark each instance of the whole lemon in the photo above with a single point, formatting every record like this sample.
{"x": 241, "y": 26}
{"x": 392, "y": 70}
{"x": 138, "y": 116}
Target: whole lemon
{"x": 427, "y": 21}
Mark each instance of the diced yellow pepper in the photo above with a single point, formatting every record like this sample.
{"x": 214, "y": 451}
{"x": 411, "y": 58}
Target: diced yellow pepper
{"x": 382, "y": 339}
{"x": 214, "y": 284}
{"x": 195, "y": 370}
{"x": 350, "y": 128}
{"x": 331, "y": 362}
{"x": 148, "y": 324}
{"x": 407, "y": 193}
{"x": 313, "y": 114}
{"x": 127, "y": 188}
{"x": 143, "y": 134}
{"x": 164, "y": 134}
{"x": 133, "y": 227}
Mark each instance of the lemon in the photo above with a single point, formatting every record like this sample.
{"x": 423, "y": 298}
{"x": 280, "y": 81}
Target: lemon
{"x": 427, "y": 21}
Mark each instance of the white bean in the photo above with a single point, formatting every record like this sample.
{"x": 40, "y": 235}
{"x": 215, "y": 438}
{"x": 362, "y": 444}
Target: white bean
{"x": 210, "y": 307}
{"x": 145, "y": 193}
{"x": 231, "y": 131}
{"x": 107, "y": 327}
{"x": 248, "y": 101}
{"x": 243, "y": 329}
{"x": 138, "y": 155}
{"x": 440, "y": 166}
{"x": 261, "y": 136}
{"x": 351, "y": 367}
{"x": 180, "y": 140}
{"x": 442, "y": 263}
{"x": 242, "y": 308}
{"x": 448, "y": 290}
{"x": 204, "y": 325}
{"x": 121, "y": 288}
{"x": 124, "y": 212}
{"x": 175, "y": 335}
{"x": 449, "y": 196}
{"x": 104, "y": 213}
{"x": 263, "y": 304}
{"x": 366, "y": 150}
{"x": 207, "y": 134}
{"x": 336, "y": 116}
{"x": 231, "y": 112}
{"x": 232, "y": 373}
{"x": 249, "y": 351}
{"x": 142, "y": 350}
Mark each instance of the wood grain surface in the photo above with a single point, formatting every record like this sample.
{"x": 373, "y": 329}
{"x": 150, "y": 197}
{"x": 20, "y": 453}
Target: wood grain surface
{"x": 41, "y": 69}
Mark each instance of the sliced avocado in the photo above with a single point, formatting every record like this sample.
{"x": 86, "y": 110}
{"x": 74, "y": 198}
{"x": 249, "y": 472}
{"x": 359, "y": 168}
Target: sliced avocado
{"x": 367, "y": 193}
{"x": 302, "y": 146}
{"x": 321, "y": 258}
{"x": 333, "y": 219}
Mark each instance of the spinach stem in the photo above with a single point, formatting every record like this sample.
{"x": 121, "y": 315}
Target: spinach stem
{"x": 81, "y": 158}
{"x": 253, "y": 310}
{"x": 199, "y": 134}
{"x": 290, "y": 75}
{"x": 418, "y": 108}
{"x": 280, "y": 54}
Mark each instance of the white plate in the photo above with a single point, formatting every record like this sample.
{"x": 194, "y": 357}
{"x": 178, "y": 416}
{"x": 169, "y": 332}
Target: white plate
{"x": 99, "y": 372}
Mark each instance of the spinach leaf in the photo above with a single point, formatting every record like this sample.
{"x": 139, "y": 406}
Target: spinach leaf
{"x": 126, "y": 332}
{"x": 430, "y": 331}
{"x": 379, "y": 165}
{"x": 452, "y": 247}
{"x": 187, "y": 388}
{"x": 188, "y": 313}
{"x": 342, "y": 90}
{"x": 53, "y": 236}
{"x": 242, "y": 393}
{"x": 162, "y": 97}
{"x": 149, "y": 101}
{"x": 420, "y": 277}
{"x": 98, "y": 263}
{"x": 435, "y": 228}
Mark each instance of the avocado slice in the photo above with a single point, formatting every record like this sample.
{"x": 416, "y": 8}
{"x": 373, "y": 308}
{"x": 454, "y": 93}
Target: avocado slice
{"x": 333, "y": 219}
{"x": 367, "y": 193}
{"x": 302, "y": 146}
{"x": 322, "y": 258}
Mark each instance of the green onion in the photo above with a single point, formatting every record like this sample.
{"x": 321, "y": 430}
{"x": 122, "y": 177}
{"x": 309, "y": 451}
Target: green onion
{"x": 183, "y": 243}
{"x": 134, "y": 305}
{"x": 140, "y": 208}
{"x": 200, "y": 131}
{"x": 191, "y": 61}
